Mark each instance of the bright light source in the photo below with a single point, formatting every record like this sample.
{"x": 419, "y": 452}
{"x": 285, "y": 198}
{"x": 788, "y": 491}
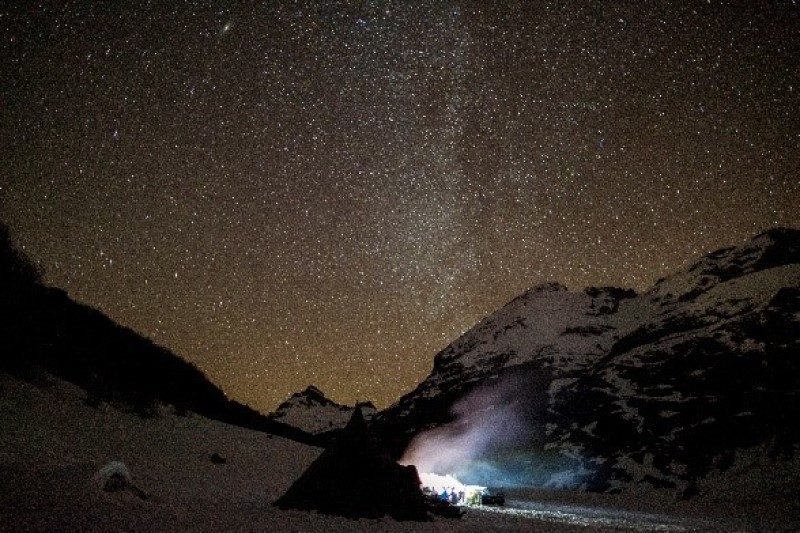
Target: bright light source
{"x": 438, "y": 483}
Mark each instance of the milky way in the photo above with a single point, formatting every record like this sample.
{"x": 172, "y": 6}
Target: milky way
{"x": 293, "y": 193}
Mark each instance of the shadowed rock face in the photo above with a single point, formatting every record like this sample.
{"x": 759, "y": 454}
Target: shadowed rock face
{"x": 658, "y": 388}
{"x": 356, "y": 478}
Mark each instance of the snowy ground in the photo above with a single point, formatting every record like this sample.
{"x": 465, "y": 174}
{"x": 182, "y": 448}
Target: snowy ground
{"x": 713, "y": 510}
{"x": 52, "y": 444}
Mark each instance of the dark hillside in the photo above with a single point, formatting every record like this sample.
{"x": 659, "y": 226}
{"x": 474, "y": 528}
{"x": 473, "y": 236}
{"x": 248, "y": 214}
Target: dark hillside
{"x": 43, "y": 331}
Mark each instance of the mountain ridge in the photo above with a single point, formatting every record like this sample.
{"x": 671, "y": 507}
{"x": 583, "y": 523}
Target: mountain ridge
{"x": 312, "y": 412}
{"x": 581, "y": 366}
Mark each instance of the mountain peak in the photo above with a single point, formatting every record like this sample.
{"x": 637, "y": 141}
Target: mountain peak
{"x": 311, "y": 411}
{"x": 312, "y": 392}
{"x": 780, "y": 234}
{"x": 549, "y": 286}
{"x": 774, "y": 247}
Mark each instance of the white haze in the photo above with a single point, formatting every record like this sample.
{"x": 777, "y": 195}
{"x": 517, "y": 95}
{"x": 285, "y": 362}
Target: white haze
{"x": 495, "y": 439}
{"x": 484, "y": 420}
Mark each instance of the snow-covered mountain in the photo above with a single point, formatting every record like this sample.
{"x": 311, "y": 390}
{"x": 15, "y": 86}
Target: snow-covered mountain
{"x": 310, "y": 411}
{"x": 605, "y": 388}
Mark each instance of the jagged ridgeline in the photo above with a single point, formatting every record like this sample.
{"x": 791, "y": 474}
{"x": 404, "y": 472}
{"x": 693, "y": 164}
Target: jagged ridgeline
{"x": 605, "y": 388}
{"x": 311, "y": 411}
{"x": 43, "y": 331}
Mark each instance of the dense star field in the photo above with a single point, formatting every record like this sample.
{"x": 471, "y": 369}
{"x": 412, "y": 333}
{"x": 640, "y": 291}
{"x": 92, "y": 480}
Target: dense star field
{"x": 329, "y": 192}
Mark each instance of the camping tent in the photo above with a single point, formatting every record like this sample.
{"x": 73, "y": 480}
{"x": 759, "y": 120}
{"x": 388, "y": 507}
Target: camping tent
{"x": 356, "y": 478}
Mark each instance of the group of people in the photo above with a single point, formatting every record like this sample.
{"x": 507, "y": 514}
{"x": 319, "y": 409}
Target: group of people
{"x": 452, "y": 496}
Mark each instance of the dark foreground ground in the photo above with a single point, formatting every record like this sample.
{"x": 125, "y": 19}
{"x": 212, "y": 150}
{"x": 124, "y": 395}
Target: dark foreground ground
{"x": 52, "y": 444}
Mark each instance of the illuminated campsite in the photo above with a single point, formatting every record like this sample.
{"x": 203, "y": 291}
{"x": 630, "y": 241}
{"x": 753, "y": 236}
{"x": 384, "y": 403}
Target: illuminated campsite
{"x": 449, "y": 489}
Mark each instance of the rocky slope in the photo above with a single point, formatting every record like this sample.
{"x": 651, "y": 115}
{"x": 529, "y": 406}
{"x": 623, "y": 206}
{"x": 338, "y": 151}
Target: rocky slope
{"x": 607, "y": 389}
{"x": 310, "y": 411}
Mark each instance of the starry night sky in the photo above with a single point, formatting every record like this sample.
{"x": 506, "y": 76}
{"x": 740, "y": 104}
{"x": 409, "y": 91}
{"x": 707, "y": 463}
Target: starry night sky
{"x": 287, "y": 193}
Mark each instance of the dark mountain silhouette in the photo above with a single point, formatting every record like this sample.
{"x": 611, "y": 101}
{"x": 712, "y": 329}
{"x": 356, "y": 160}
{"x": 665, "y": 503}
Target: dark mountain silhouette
{"x": 43, "y": 331}
{"x": 15, "y": 267}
